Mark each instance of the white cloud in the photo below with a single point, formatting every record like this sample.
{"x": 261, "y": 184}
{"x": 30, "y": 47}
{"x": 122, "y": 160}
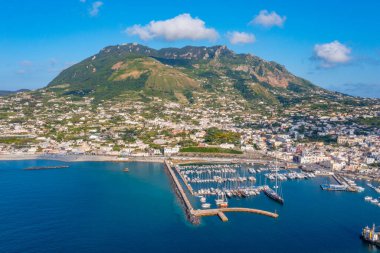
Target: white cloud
{"x": 268, "y": 19}
{"x": 181, "y": 27}
{"x": 331, "y": 54}
{"x": 241, "y": 37}
{"x": 26, "y": 63}
{"x": 21, "y": 72}
{"x": 94, "y": 10}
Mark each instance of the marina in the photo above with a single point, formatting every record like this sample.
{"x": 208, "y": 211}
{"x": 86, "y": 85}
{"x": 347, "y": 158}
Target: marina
{"x": 221, "y": 201}
{"x": 225, "y": 181}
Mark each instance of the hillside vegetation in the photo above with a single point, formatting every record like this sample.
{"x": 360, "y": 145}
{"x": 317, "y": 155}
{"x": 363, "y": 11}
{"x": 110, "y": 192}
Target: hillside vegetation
{"x": 136, "y": 71}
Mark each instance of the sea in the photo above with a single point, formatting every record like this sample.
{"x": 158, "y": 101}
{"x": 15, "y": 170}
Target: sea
{"x": 96, "y": 207}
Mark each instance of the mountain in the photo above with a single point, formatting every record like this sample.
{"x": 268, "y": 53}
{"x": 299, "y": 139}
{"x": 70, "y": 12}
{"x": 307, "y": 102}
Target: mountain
{"x": 131, "y": 70}
{"x": 7, "y": 92}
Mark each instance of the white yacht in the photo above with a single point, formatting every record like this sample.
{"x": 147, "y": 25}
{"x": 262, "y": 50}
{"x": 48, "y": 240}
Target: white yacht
{"x": 206, "y": 205}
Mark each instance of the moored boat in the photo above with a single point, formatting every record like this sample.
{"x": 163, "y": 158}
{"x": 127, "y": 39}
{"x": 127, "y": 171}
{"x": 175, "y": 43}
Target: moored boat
{"x": 370, "y": 235}
{"x": 206, "y": 205}
{"x": 333, "y": 187}
{"x": 273, "y": 195}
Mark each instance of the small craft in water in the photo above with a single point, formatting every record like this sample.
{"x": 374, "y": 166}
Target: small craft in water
{"x": 371, "y": 235}
{"x": 206, "y": 205}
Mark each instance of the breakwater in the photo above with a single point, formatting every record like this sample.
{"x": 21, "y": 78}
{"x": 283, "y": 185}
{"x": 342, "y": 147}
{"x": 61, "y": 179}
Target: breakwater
{"x": 47, "y": 167}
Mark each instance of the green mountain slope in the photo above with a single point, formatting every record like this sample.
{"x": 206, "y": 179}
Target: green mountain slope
{"x": 175, "y": 73}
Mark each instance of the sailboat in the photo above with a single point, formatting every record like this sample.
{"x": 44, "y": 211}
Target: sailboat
{"x": 224, "y": 203}
{"x": 221, "y": 201}
{"x": 273, "y": 194}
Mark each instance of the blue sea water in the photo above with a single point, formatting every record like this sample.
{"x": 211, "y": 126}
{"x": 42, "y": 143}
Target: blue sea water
{"x": 96, "y": 207}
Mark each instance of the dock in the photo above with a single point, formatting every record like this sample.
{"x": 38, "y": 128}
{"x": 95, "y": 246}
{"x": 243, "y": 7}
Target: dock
{"x": 342, "y": 181}
{"x": 194, "y": 215}
{"x": 222, "y": 216}
{"x": 338, "y": 179}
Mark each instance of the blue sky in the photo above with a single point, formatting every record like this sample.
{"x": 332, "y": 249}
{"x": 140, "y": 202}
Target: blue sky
{"x": 333, "y": 43}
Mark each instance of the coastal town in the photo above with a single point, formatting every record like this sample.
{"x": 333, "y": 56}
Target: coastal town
{"x": 319, "y": 136}
{"x": 190, "y": 126}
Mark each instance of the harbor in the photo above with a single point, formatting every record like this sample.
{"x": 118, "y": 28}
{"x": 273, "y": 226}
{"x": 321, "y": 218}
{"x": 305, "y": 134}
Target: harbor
{"x": 193, "y": 214}
{"x": 221, "y": 182}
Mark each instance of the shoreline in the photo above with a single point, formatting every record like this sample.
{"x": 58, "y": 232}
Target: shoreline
{"x": 79, "y": 158}
{"x": 104, "y": 158}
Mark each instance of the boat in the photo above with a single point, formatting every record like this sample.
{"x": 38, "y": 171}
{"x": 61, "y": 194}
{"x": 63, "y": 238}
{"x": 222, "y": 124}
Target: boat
{"x": 370, "y": 235}
{"x": 203, "y": 199}
{"x": 243, "y": 193}
{"x": 333, "y": 187}
{"x": 221, "y": 201}
{"x": 223, "y": 205}
{"x": 359, "y": 189}
{"x": 273, "y": 194}
{"x": 206, "y": 205}
{"x": 367, "y": 198}
{"x": 126, "y": 170}
{"x": 373, "y": 187}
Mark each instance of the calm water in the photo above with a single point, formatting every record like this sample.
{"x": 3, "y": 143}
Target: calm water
{"x": 95, "y": 207}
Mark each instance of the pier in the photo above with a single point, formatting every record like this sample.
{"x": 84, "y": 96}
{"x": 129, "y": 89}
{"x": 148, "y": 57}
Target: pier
{"x": 342, "y": 181}
{"x": 195, "y": 215}
{"x": 339, "y": 180}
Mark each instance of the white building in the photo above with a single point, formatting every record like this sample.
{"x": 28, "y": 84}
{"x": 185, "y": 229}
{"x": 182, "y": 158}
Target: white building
{"x": 227, "y": 146}
{"x": 168, "y": 151}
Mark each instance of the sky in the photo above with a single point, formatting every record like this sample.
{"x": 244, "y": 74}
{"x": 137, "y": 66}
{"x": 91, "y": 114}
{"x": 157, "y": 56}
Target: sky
{"x": 333, "y": 43}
